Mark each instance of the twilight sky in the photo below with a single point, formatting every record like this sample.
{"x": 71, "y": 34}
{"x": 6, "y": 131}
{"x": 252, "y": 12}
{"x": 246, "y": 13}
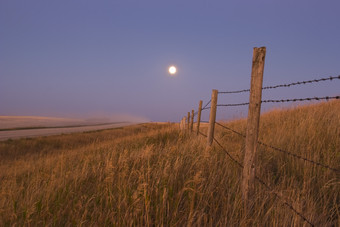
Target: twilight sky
{"x": 86, "y": 58}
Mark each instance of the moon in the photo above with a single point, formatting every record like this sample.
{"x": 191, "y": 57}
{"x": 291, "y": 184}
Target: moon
{"x": 172, "y": 70}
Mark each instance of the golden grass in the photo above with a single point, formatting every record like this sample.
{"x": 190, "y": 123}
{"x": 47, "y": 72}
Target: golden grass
{"x": 151, "y": 175}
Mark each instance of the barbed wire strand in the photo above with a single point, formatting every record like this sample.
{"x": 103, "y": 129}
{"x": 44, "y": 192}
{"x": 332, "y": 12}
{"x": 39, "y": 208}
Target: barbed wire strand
{"x": 283, "y": 201}
{"x": 202, "y": 134}
{"x": 267, "y": 187}
{"x": 206, "y": 104}
{"x": 204, "y": 108}
{"x": 284, "y": 85}
{"x": 302, "y": 82}
{"x": 236, "y": 104}
{"x": 302, "y": 99}
{"x": 300, "y": 157}
{"x": 231, "y": 157}
{"x": 230, "y": 129}
{"x": 283, "y": 151}
{"x": 285, "y": 100}
{"x": 233, "y": 92}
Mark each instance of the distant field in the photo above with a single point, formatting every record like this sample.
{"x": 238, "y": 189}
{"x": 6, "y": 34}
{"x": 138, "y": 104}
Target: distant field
{"x": 13, "y": 127}
{"x": 48, "y": 131}
{"x": 20, "y": 122}
{"x": 154, "y": 175}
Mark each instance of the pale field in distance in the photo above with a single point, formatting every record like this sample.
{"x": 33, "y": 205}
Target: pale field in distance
{"x": 10, "y": 122}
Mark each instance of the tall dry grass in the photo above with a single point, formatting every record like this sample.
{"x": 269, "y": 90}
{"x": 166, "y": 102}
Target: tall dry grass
{"x": 153, "y": 175}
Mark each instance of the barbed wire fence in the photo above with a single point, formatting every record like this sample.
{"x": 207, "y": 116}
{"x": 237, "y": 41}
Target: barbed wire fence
{"x": 211, "y": 138}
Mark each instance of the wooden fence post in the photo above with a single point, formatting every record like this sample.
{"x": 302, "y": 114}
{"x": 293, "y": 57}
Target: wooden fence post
{"x": 199, "y": 116}
{"x": 188, "y": 127}
{"x": 253, "y": 121}
{"x": 192, "y": 120}
{"x": 212, "y": 118}
{"x": 184, "y": 122}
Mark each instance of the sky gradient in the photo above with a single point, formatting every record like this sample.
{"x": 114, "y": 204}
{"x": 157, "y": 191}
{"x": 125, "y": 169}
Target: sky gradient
{"x": 107, "y": 58}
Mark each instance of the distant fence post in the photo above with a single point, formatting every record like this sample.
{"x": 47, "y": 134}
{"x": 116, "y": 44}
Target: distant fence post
{"x": 212, "y": 118}
{"x": 188, "y": 127}
{"x": 182, "y": 127}
{"x": 253, "y": 121}
{"x": 199, "y": 116}
{"x": 192, "y": 120}
{"x": 183, "y": 122}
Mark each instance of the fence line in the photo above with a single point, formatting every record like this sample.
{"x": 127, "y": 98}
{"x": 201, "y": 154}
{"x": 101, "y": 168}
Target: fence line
{"x": 285, "y": 100}
{"x": 266, "y": 186}
{"x": 235, "y": 104}
{"x": 251, "y": 137}
{"x": 285, "y": 85}
{"x": 303, "y": 82}
{"x": 263, "y": 183}
{"x": 303, "y": 99}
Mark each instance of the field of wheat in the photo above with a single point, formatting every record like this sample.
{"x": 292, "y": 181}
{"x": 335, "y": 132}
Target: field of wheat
{"x": 154, "y": 175}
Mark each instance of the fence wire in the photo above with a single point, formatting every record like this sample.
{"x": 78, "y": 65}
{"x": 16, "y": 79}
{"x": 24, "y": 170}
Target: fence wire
{"x": 283, "y": 151}
{"x": 202, "y": 134}
{"x": 302, "y": 99}
{"x": 204, "y": 107}
{"x": 283, "y": 201}
{"x": 300, "y": 157}
{"x": 267, "y": 187}
{"x": 235, "y": 104}
{"x": 231, "y": 129}
{"x": 303, "y": 82}
{"x": 285, "y": 85}
{"x": 285, "y": 100}
{"x": 233, "y": 92}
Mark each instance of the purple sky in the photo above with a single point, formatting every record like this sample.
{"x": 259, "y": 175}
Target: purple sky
{"x": 99, "y": 58}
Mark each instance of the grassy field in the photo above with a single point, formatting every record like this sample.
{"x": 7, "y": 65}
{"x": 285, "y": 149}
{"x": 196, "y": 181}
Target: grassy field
{"x": 152, "y": 175}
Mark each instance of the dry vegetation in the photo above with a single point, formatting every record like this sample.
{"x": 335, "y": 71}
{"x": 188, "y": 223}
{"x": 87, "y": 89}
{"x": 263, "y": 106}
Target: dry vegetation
{"x": 152, "y": 175}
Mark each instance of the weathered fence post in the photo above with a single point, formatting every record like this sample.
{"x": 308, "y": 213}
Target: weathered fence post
{"x": 253, "y": 121}
{"x": 192, "y": 120}
{"x": 188, "y": 127}
{"x": 212, "y": 118}
{"x": 199, "y": 116}
{"x": 182, "y": 124}
{"x": 184, "y": 121}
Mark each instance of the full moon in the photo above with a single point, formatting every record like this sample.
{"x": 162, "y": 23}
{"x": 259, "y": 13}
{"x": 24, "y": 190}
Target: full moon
{"x": 172, "y": 70}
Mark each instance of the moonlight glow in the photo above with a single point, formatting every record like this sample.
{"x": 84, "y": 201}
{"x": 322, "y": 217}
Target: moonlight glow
{"x": 172, "y": 70}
